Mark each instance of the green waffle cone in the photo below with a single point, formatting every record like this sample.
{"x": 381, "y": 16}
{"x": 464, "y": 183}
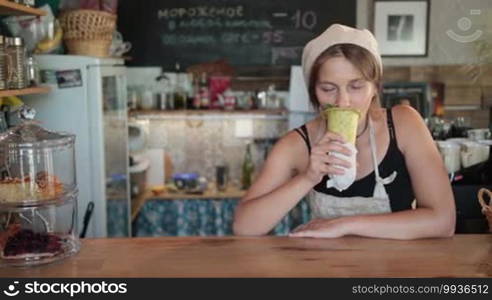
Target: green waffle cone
{"x": 342, "y": 121}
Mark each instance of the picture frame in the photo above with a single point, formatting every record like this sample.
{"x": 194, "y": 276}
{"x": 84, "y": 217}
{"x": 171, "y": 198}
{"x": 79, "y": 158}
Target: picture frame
{"x": 415, "y": 94}
{"x": 402, "y": 27}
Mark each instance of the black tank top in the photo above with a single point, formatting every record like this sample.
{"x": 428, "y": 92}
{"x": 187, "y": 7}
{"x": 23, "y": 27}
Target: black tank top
{"x": 399, "y": 191}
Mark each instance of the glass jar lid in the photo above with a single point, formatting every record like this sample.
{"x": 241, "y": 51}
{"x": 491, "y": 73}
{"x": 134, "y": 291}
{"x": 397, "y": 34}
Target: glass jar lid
{"x": 30, "y": 135}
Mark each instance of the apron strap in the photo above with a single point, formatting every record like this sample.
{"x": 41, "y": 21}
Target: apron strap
{"x": 372, "y": 141}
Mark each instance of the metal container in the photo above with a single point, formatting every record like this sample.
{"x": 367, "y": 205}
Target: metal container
{"x": 3, "y": 64}
{"x": 16, "y": 63}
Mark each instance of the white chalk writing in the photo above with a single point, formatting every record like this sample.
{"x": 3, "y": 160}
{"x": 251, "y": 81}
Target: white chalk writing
{"x": 201, "y": 12}
{"x": 179, "y": 39}
{"x": 285, "y": 52}
{"x": 268, "y": 37}
{"x": 217, "y": 23}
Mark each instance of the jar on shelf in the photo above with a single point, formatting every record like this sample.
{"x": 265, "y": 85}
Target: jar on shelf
{"x": 3, "y": 66}
{"x": 32, "y": 71}
{"x": 16, "y": 63}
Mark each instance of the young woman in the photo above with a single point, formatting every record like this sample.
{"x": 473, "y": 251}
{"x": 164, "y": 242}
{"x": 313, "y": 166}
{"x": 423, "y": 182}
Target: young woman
{"x": 397, "y": 160}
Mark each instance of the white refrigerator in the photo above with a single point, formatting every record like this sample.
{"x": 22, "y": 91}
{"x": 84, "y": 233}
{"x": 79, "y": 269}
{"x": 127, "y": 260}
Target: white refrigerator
{"x": 88, "y": 99}
{"x": 298, "y": 105}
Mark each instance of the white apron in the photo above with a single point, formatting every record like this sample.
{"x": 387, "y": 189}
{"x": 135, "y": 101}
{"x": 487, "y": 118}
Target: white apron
{"x": 328, "y": 206}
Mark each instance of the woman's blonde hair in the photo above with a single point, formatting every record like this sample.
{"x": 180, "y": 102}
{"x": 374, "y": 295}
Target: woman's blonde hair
{"x": 361, "y": 58}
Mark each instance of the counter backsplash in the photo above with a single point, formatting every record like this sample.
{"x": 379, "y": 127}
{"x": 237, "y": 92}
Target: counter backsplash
{"x": 195, "y": 145}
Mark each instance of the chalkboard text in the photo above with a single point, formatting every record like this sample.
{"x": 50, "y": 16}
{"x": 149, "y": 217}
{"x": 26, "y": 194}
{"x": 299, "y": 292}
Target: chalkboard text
{"x": 201, "y": 12}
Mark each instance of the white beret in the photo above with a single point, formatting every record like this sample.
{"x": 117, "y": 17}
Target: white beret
{"x": 338, "y": 34}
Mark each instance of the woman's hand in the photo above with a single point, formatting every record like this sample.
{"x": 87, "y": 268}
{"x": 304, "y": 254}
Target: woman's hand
{"x": 322, "y": 228}
{"x": 321, "y": 163}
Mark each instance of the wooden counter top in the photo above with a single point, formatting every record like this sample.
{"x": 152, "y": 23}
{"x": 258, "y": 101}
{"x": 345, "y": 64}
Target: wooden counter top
{"x": 460, "y": 256}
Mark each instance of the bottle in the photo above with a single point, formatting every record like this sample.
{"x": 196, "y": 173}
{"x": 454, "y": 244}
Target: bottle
{"x": 189, "y": 91}
{"x": 271, "y": 98}
{"x": 204, "y": 92}
{"x": 179, "y": 91}
{"x": 247, "y": 169}
{"x": 196, "y": 93}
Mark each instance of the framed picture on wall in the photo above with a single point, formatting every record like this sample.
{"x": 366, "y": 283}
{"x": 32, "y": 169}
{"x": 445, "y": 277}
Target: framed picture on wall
{"x": 401, "y": 27}
{"x": 415, "y": 94}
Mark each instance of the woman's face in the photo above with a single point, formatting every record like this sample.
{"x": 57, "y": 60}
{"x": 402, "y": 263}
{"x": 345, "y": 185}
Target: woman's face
{"x": 341, "y": 84}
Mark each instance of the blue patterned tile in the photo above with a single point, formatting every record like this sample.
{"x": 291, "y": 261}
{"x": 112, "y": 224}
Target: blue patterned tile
{"x": 202, "y": 217}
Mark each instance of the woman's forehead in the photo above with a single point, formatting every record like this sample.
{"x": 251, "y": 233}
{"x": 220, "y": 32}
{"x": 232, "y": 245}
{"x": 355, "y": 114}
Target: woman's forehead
{"x": 338, "y": 69}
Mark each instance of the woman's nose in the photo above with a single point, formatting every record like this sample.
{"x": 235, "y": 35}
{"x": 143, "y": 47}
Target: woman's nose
{"x": 343, "y": 99}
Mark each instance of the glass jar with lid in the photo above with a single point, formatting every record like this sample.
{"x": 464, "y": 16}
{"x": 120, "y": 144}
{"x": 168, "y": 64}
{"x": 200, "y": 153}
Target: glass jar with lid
{"x": 38, "y": 196}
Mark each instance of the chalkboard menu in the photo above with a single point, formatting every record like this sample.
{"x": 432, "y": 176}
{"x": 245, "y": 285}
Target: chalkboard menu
{"x": 243, "y": 32}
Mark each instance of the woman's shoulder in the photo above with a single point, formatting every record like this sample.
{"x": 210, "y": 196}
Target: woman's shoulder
{"x": 294, "y": 137}
{"x": 292, "y": 147}
{"x": 408, "y": 123}
{"x": 405, "y": 113}
{"x": 292, "y": 141}
{"x": 400, "y": 114}
{"x": 407, "y": 119}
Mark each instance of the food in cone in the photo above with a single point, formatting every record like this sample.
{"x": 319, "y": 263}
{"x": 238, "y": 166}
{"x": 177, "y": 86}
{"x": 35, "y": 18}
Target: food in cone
{"x": 343, "y": 121}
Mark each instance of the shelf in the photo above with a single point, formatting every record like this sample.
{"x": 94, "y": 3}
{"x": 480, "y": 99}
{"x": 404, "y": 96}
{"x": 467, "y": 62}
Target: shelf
{"x": 11, "y": 8}
{"x": 209, "y": 111}
{"x": 27, "y": 91}
{"x": 210, "y": 114}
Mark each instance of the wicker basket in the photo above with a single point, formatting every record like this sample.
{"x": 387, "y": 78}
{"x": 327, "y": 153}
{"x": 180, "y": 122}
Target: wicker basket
{"x": 486, "y": 208}
{"x": 88, "y": 32}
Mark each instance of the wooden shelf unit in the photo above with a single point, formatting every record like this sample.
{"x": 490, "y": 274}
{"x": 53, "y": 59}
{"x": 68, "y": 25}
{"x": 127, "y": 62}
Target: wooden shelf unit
{"x": 26, "y": 91}
{"x": 8, "y": 8}
{"x": 11, "y": 8}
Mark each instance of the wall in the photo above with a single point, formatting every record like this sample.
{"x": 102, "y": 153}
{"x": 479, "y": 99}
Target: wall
{"x": 444, "y": 16}
{"x": 465, "y": 94}
{"x": 195, "y": 145}
{"x": 199, "y": 144}
{"x": 466, "y": 74}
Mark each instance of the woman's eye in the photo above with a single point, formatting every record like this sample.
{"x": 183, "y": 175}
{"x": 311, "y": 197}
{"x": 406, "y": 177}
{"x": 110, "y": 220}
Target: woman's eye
{"x": 327, "y": 89}
{"x": 357, "y": 87}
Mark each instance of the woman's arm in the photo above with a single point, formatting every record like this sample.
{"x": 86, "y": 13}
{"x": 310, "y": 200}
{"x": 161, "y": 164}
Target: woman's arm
{"x": 435, "y": 214}
{"x": 276, "y": 191}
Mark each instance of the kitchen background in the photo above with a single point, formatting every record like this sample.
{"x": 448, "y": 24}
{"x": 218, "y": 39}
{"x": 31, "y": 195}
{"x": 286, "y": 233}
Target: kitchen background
{"x": 177, "y": 141}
